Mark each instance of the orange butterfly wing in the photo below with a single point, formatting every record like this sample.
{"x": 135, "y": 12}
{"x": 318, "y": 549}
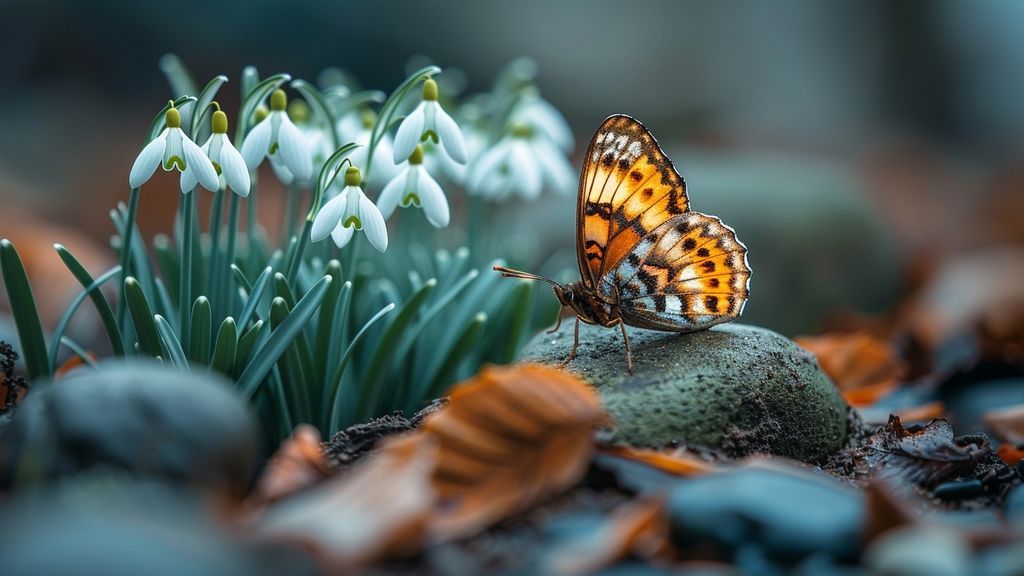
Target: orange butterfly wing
{"x": 688, "y": 274}
{"x": 628, "y": 187}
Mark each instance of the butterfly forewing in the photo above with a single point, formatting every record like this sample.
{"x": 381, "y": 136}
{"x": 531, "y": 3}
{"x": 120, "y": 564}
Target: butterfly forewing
{"x": 687, "y": 274}
{"x": 628, "y": 188}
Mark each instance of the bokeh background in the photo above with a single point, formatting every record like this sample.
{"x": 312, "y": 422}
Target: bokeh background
{"x": 860, "y": 149}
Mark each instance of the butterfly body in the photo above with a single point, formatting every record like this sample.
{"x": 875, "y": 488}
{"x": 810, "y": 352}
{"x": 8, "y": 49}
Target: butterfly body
{"x": 645, "y": 259}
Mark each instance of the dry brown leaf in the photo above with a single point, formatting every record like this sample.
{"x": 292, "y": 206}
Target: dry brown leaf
{"x": 378, "y": 509}
{"x": 923, "y": 413}
{"x": 1007, "y": 423}
{"x": 864, "y": 368}
{"x": 508, "y": 439}
{"x": 639, "y": 528}
{"x": 298, "y": 463}
{"x": 675, "y": 462}
{"x": 1010, "y": 454}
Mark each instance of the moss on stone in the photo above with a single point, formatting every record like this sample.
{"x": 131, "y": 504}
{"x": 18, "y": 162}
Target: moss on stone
{"x": 739, "y": 388}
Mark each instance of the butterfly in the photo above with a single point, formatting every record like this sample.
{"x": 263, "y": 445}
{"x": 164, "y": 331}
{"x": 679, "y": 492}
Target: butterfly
{"x": 645, "y": 259}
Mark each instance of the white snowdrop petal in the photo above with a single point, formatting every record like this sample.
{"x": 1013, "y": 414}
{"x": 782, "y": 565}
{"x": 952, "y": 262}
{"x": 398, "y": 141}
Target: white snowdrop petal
{"x": 327, "y": 218}
{"x": 554, "y": 167}
{"x": 552, "y": 123}
{"x": 188, "y": 180}
{"x": 292, "y": 146}
{"x": 523, "y": 166}
{"x": 341, "y": 235}
{"x": 281, "y": 171}
{"x": 450, "y": 135}
{"x": 486, "y": 164}
{"x": 373, "y": 223}
{"x": 198, "y": 163}
{"x": 391, "y": 194}
{"x": 408, "y": 135}
{"x": 433, "y": 200}
{"x": 234, "y": 169}
{"x": 147, "y": 161}
{"x": 256, "y": 144}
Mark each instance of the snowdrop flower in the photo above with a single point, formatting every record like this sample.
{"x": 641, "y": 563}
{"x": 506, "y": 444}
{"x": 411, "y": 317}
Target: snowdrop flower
{"x": 277, "y": 137}
{"x": 172, "y": 149}
{"x": 524, "y": 162}
{"x": 356, "y": 127}
{"x": 226, "y": 160}
{"x": 414, "y": 186}
{"x": 429, "y": 119}
{"x": 349, "y": 211}
{"x": 546, "y": 119}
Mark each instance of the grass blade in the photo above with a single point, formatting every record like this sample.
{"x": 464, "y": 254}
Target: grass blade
{"x": 90, "y": 290}
{"x": 170, "y": 343}
{"x": 23, "y": 308}
{"x": 102, "y": 306}
{"x": 226, "y": 349}
{"x": 333, "y": 394}
{"x": 142, "y": 317}
{"x": 266, "y": 356}
{"x": 202, "y": 331}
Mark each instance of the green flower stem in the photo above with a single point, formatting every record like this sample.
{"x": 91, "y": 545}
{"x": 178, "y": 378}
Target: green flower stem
{"x": 187, "y": 211}
{"x": 251, "y": 215}
{"x": 215, "y": 272}
{"x": 228, "y": 290}
{"x": 291, "y": 212}
{"x": 126, "y": 258}
{"x": 297, "y": 255}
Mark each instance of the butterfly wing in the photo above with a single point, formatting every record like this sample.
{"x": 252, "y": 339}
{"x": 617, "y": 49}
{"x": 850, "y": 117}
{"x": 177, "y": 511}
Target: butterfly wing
{"x": 628, "y": 187}
{"x": 689, "y": 273}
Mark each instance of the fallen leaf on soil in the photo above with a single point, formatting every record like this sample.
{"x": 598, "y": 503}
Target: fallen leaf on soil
{"x": 923, "y": 413}
{"x": 70, "y": 364}
{"x": 638, "y": 528}
{"x": 508, "y": 439}
{"x": 298, "y": 463}
{"x": 379, "y": 509}
{"x": 12, "y": 388}
{"x": 675, "y": 462}
{"x": 1007, "y": 423}
{"x": 863, "y": 367}
{"x": 927, "y": 456}
{"x": 885, "y": 510}
{"x": 1010, "y": 454}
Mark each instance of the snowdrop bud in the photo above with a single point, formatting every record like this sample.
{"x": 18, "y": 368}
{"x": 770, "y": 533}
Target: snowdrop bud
{"x": 219, "y": 122}
{"x": 278, "y": 100}
{"x": 353, "y": 177}
{"x": 430, "y": 91}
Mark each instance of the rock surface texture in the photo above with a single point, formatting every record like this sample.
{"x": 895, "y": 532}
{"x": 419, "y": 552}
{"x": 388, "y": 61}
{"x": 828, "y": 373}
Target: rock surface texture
{"x": 738, "y": 388}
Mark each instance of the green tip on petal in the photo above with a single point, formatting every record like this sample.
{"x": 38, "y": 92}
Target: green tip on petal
{"x": 353, "y": 221}
{"x": 173, "y": 118}
{"x": 353, "y": 177}
{"x": 417, "y": 155}
{"x": 430, "y": 89}
{"x": 299, "y": 111}
{"x": 369, "y": 118}
{"x": 219, "y": 122}
{"x": 278, "y": 100}
{"x": 522, "y": 131}
{"x": 429, "y": 135}
{"x": 410, "y": 199}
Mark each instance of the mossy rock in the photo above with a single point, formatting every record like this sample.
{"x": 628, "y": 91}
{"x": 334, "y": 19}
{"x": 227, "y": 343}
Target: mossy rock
{"x": 738, "y": 388}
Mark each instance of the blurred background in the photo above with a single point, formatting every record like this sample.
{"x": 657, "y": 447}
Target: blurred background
{"x": 863, "y": 151}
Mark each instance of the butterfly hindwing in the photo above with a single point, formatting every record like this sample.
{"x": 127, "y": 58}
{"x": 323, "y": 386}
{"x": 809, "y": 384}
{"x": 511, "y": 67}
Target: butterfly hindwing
{"x": 687, "y": 274}
{"x": 628, "y": 188}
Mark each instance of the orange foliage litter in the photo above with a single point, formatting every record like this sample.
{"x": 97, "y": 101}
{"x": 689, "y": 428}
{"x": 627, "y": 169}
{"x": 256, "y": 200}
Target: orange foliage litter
{"x": 1007, "y": 423}
{"x": 863, "y": 367}
{"x": 674, "y": 462}
{"x": 299, "y": 463}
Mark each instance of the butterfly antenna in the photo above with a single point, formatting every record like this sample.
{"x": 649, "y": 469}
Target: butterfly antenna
{"x": 510, "y": 273}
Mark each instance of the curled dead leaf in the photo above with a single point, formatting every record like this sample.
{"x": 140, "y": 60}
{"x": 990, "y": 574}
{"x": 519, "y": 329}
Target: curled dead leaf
{"x": 676, "y": 462}
{"x": 639, "y": 528}
{"x": 863, "y": 367}
{"x": 927, "y": 455}
{"x": 508, "y": 439}
{"x": 1007, "y": 423}
{"x": 1010, "y": 454}
{"x": 298, "y": 464}
{"x": 380, "y": 508}
{"x": 923, "y": 413}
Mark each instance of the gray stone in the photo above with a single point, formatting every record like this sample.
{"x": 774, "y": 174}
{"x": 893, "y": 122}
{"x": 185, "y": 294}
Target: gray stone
{"x": 141, "y": 417}
{"x": 736, "y": 387}
{"x": 769, "y": 510}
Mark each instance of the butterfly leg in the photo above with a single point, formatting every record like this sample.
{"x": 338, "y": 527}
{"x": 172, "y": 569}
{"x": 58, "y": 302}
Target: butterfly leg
{"x": 558, "y": 322}
{"x": 575, "y": 344}
{"x": 629, "y": 351}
